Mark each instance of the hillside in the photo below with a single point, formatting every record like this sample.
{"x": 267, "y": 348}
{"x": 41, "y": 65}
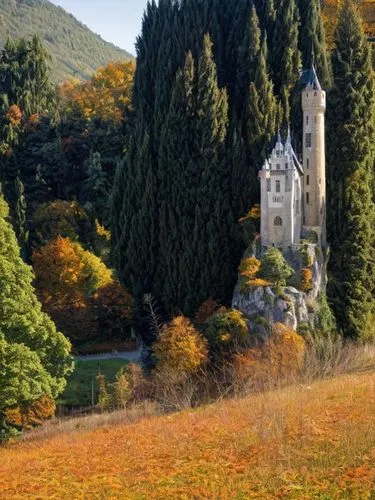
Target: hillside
{"x": 313, "y": 441}
{"x": 74, "y": 48}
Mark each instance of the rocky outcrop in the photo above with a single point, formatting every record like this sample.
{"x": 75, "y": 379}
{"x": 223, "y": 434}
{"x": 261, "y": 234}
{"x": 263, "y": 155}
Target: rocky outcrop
{"x": 288, "y": 307}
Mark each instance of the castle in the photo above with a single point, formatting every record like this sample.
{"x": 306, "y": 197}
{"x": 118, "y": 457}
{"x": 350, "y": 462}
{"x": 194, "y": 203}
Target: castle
{"x": 293, "y": 195}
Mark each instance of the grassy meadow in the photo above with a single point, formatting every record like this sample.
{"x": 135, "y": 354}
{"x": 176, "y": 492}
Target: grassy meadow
{"x": 82, "y": 386}
{"x": 304, "y": 441}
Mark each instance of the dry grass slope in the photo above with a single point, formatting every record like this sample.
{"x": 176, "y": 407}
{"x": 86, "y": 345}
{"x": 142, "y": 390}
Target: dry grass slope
{"x": 304, "y": 441}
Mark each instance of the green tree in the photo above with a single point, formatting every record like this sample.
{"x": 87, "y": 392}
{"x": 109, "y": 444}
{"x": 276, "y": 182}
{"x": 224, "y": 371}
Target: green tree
{"x": 351, "y": 140}
{"x": 35, "y": 357}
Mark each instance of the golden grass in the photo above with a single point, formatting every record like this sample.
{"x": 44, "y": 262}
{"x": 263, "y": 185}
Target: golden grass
{"x": 304, "y": 442}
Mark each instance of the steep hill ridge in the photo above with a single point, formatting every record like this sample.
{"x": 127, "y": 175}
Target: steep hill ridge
{"x": 75, "y": 49}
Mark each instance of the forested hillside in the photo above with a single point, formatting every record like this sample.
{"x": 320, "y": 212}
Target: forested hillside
{"x": 74, "y": 48}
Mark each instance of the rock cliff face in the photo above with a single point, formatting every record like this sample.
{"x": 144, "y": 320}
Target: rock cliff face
{"x": 289, "y": 307}
{"x": 263, "y": 306}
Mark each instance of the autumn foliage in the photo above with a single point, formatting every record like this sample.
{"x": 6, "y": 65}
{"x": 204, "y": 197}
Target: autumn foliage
{"x": 107, "y": 95}
{"x": 279, "y": 357}
{"x": 33, "y": 414}
{"x": 67, "y": 274}
{"x": 206, "y": 309}
{"x": 180, "y": 349}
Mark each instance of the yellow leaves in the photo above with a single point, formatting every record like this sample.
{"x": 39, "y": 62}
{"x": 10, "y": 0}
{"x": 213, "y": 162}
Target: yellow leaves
{"x": 102, "y": 231}
{"x": 106, "y": 95}
{"x": 180, "y": 348}
{"x": 253, "y": 214}
{"x": 249, "y": 269}
{"x": 66, "y": 273}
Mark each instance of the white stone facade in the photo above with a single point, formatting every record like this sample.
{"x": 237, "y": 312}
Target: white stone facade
{"x": 293, "y": 196}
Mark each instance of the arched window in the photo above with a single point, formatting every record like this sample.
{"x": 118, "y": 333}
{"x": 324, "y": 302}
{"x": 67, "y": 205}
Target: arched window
{"x": 278, "y": 221}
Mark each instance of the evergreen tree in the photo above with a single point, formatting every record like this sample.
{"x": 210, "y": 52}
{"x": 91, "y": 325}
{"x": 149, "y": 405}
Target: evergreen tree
{"x": 96, "y": 189}
{"x": 29, "y": 342}
{"x": 285, "y": 53}
{"x": 262, "y": 111}
{"x": 350, "y": 149}
{"x": 312, "y": 40}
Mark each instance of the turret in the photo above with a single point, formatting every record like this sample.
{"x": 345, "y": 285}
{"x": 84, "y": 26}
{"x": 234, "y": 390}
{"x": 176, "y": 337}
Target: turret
{"x": 314, "y": 181}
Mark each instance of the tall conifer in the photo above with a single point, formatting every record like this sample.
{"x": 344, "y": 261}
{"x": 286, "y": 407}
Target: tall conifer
{"x": 350, "y": 148}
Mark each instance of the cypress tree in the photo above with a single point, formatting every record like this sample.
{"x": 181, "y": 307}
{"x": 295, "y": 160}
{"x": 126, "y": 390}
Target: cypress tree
{"x": 312, "y": 40}
{"x": 285, "y": 53}
{"x": 262, "y": 111}
{"x": 350, "y": 151}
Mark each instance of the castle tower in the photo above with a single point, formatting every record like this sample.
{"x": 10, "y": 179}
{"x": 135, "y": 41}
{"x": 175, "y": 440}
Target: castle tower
{"x": 314, "y": 180}
{"x": 281, "y": 193}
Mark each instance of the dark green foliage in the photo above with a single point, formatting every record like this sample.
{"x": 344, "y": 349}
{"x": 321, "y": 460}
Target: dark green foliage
{"x": 76, "y": 51}
{"x": 350, "y": 149}
{"x": 312, "y": 40}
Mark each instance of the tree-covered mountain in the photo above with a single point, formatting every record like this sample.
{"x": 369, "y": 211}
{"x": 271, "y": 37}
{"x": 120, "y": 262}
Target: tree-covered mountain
{"x": 74, "y": 48}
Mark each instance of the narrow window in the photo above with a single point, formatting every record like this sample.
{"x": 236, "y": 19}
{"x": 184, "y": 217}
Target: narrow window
{"x": 307, "y": 163}
{"x": 277, "y": 186}
{"x": 308, "y": 140}
{"x": 308, "y": 180}
{"x": 307, "y": 198}
{"x": 277, "y": 166}
{"x": 286, "y": 166}
{"x": 307, "y": 119}
{"x": 316, "y": 120}
{"x": 268, "y": 185}
{"x": 278, "y": 221}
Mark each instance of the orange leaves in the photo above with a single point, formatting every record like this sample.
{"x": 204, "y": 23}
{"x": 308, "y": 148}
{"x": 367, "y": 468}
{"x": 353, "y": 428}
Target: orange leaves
{"x": 180, "y": 348}
{"x": 33, "y": 414}
{"x": 249, "y": 268}
{"x": 107, "y": 95}
{"x": 14, "y": 115}
{"x": 67, "y": 274}
{"x": 306, "y": 280}
{"x": 280, "y": 357}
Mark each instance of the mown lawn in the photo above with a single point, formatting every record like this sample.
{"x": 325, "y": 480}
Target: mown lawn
{"x": 297, "y": 443}
{"x": 82, "y": 385}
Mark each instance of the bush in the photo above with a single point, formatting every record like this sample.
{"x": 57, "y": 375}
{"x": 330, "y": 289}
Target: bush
{"x": 274, "y": 267}
{"x": 207, "y": 309}
{"x": 306, "y": 283}
{"x": 117, "y": 394}
{"x": 226, "y": 331}
{"x": 31, "y": 415}
{"x": 279, "y": 358}
{"x": 180, "y": 348}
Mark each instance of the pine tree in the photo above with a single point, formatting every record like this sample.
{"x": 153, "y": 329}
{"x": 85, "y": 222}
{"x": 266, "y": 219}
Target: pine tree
{"x": 350, "y": 148}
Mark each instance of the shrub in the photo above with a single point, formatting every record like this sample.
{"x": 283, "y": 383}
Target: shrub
{"x": 306, "y": 283}
{"x": 280, "y": 357}
{"x": 274, "y": 267}
{"x": 207, "y": 309}
{"x": 32, "y": 414}
{"x": 116, "y": 395}
{"x": 226, "y": 332}
{"x": 180, "y": 348}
